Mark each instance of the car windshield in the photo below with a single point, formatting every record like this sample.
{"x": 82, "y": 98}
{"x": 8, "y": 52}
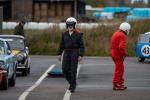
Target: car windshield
{"x": 2, "y": 47}
{"x": 144, "y": 38}
{"x": 15, "y": 43}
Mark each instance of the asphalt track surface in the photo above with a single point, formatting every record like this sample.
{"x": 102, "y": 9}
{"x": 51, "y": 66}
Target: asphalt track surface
{"x": 94, "y": 81}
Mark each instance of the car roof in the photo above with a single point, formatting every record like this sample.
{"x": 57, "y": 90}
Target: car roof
{"x": 147, "y": 33}
{"x": 12, "y": 36}
{"x": 2, "y": 39}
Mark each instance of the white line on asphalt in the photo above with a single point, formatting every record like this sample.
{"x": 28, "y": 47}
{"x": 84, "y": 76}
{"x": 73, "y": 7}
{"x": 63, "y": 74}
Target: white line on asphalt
{"x": 68, "y": 93}
{"x": 24, "y": 94}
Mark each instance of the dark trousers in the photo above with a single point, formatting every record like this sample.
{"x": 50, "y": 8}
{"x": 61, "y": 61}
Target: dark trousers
{"x": 69, "y": 66}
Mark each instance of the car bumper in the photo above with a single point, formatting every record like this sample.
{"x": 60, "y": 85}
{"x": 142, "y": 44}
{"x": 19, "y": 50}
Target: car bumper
{"x": 20, "y": 66}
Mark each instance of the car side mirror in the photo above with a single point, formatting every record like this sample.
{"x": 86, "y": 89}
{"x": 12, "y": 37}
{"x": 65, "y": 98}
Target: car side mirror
{"x": 9, "y": 52}
{"x": 27, "y": 48}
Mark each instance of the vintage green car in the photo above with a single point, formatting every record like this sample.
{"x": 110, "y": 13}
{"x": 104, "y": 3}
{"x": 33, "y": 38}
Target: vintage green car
{"x": 18, "y": 46}
{"x": 8, "y": 65}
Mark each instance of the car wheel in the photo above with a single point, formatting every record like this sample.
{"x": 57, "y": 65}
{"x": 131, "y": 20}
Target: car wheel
{"x": 12, "y": 81}
{"x": 141, "y": 59}
{"x": 4, "y": 84}
{"x": 25, "y": 71}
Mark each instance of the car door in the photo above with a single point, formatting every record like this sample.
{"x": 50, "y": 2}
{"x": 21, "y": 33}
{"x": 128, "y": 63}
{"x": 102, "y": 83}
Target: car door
{"x": 10, "y": 60}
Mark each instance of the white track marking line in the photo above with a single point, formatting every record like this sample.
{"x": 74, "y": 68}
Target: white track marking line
{"x": 24, "y": 94}
{"x": 68, "y": 93}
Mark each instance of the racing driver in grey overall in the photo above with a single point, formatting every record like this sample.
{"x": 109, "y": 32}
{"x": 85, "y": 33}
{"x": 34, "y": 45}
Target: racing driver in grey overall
{"x": 72, "y": 45}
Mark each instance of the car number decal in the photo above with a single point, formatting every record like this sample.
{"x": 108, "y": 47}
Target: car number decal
{"x": 145, "y": 50}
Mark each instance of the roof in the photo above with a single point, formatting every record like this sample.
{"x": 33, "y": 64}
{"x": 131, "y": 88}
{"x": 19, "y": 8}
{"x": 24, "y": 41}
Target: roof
{"x": 147, "y": 33}
{"x": 12, "y": 36}
{"x": 2, "y": 39}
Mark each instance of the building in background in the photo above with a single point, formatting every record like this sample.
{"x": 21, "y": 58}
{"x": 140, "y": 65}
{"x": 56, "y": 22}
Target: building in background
{"x": 42, "y": 10}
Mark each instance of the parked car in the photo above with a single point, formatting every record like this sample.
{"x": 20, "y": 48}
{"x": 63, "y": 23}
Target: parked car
{"x": 143, "y": 47}
{"x": 8, "y": 65}
{"x": 18, "y": 46}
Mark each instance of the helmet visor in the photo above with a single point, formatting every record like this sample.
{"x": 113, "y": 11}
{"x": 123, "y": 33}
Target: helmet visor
{"x": 70, "y": 23}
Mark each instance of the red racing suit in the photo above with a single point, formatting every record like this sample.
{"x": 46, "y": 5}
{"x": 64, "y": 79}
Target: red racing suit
{"x": 118, "y": 53}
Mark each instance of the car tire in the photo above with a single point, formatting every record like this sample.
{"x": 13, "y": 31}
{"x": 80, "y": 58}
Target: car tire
{"x": 4, "y": 84}
{"x": 25, "y": 71}
{"x": 141, "y": 59}
{"x": 12, "y": 81}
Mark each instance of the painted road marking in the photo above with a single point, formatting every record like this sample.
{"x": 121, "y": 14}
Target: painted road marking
{"x": 24, "y": 94}
{"x": 68, "y": 93}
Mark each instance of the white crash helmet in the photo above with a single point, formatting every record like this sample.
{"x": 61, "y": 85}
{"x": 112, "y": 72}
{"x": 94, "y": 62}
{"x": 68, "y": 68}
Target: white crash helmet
{"x": 125, "y": 27}
{"x": 71, "y": 21}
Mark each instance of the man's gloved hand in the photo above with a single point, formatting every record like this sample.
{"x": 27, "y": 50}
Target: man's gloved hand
{"x": 79, "y": 58}
{"x": 59, "y": 57}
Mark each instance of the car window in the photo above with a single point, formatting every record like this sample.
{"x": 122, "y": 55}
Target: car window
{"x": 2, "y": 50}
{"x": 15, "y": 43}
{"x": 144, "y": 38}
{"x": 7, "y": 47}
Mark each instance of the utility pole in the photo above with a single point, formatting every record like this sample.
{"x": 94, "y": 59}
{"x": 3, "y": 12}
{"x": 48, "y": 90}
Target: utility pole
{"x": 1, "y": 20}
{"x": 75, "y": 8}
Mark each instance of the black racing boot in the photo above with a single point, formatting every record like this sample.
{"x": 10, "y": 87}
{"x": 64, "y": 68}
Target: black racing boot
{"x": 72, "y": 91}
{"x": 72, "y": 88}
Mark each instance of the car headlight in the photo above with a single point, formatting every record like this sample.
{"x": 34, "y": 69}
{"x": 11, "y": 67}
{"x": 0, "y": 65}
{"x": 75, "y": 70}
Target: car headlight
{"x": 20, "y": 57}
{"x": 1, "y": 65}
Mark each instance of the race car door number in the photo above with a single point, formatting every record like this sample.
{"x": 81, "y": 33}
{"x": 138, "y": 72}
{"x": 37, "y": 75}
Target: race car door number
{"x": 145, "y": 50}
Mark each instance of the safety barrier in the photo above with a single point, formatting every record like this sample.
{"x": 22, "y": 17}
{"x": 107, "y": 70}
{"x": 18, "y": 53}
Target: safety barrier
{"x": 108, "y": 12}
{"x": 43, "y": 25}
{"x": 139, "y": 13}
